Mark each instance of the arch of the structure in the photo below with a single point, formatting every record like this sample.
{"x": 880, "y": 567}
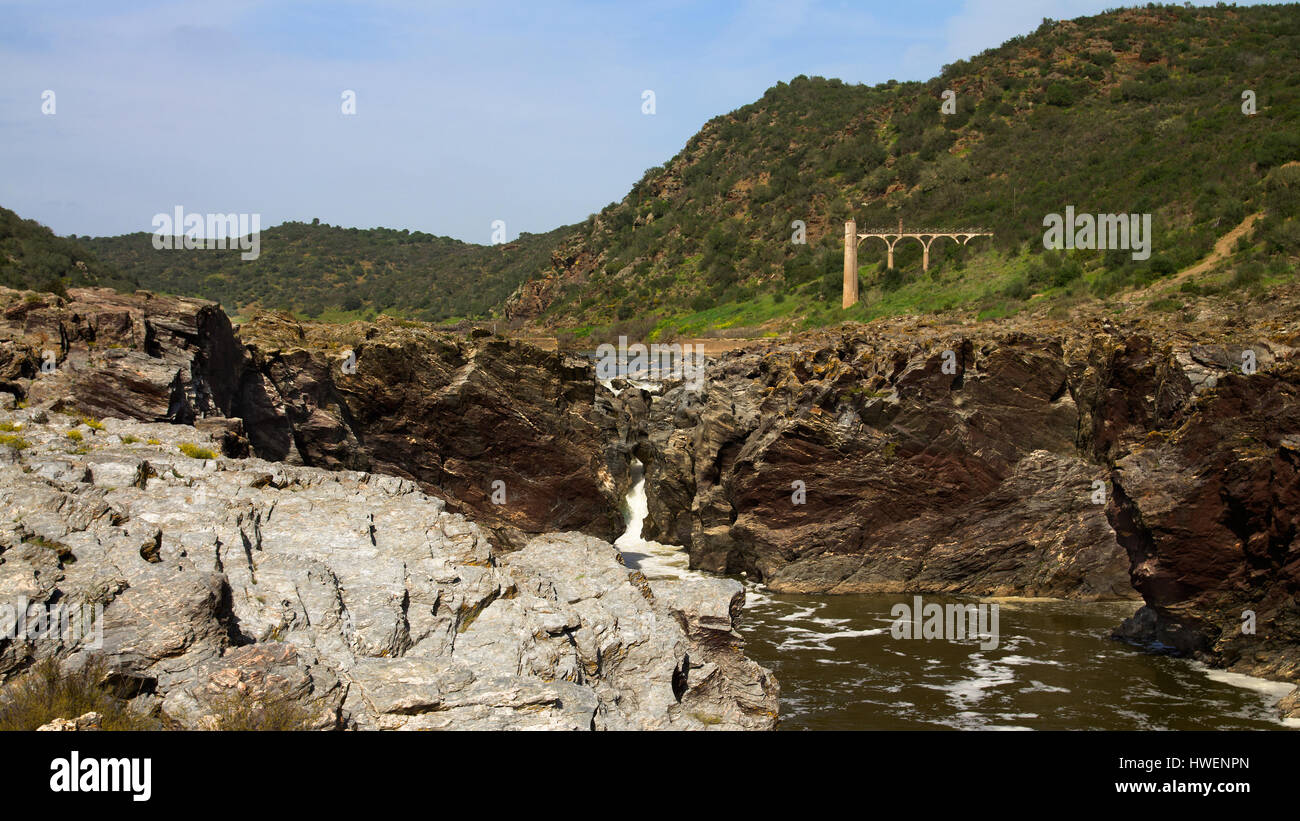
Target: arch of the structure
{"x": 925, "y": 249}
{"x": 925, "y": 259}
{"x": 889, "y": 245}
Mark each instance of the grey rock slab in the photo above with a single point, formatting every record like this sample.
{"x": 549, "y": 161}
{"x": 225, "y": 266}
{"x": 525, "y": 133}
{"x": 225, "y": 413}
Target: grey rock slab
{"x": 355, "y": 599}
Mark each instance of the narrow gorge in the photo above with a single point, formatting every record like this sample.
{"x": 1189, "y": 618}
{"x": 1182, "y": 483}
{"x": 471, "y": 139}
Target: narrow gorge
{"x": 395, "y": 527}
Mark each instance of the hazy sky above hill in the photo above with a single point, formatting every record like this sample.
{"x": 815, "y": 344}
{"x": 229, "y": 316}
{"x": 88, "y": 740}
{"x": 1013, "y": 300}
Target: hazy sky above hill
{"x": 466, "y": 112}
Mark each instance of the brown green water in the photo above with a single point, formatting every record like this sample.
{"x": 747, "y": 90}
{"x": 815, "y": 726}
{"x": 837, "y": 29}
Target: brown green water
{"x": 1055, "y": 668}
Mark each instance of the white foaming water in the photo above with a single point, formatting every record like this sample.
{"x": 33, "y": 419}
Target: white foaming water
{"x": 653, "y": 387}
{"x": 1274, "y": 690}
{"x": 655, "y": 560}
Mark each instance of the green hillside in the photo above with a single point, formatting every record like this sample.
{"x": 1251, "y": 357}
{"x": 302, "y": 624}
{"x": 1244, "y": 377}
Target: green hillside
{"x": 1133, "y": 111}
{"x": 328, "y": 272}
{"x": 33, "y": 258}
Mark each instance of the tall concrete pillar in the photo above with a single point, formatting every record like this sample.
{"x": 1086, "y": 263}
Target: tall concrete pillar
{"x": 850, "y": 263}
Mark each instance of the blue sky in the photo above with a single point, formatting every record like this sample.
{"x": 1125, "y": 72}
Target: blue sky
{"x": 466, "y": 112}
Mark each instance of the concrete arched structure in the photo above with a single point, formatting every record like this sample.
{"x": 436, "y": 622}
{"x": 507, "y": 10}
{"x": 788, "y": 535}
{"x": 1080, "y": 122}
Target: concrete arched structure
{"x": 891, "y": 240}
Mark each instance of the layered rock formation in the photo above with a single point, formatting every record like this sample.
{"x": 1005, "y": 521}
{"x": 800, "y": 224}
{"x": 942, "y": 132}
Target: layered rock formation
{"x": 1093, "y": 457}
{"x": 354, "y": 600}
{"x": 871, "y": 461}
{"x": 522, "y": 439}
{"x": 130, "y": 356}
{"x": 1207, "y": 506}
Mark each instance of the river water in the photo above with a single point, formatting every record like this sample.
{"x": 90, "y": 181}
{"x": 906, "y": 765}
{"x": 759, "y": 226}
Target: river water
{"x": 1054, "y": 666}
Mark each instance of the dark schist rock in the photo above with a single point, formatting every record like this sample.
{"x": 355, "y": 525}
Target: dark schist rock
{"x": 524, "y": 440}
{"x": 1203, "y": 468}
{"x": 857, "y": 463}
{"x": 1208, "y": 513}
{"x": 136, "y": 356}
{"x": 1101, "y": 457}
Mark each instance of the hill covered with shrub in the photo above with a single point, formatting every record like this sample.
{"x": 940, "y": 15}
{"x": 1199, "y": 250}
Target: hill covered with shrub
{"x": 32, "y": 257}
{"x": 325, "y": 271}
{"x": 1132, "y": 111}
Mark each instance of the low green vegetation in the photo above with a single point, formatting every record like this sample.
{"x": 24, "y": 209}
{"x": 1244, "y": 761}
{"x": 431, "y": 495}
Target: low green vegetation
{"x": 33, "y": 258}
{"x": 12, "y": 441}
{"x": 194, "y": 451}
{"x": 236, "y": 712}
{"x": 335, "y": 274}
{"x": 46, "y": 692}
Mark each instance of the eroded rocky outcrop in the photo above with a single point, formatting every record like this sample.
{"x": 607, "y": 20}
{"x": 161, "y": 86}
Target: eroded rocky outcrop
{"x": 524, "y": 440}
{"x": 1207, "y": 508}
{"x": 355, "y": 598}
{"x": 1097, "y": 456}
{"x": 864, "y": 462}
{"x": 1199, "y": 427}
{"x": 134, "y": 356}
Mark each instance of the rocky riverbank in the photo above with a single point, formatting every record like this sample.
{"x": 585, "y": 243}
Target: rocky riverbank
{"x": 352, "y": 599}
{"x": 1111, "y": 453}
{"x": 229, "y": 516}
{"x": 1100, "y": 456}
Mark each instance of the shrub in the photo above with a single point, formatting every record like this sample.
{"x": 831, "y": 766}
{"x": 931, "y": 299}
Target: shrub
{"x": 1017, "y": 288}
{"x": 1247, "y": 275}
{"x": 196, "y": 452}
{"x": 1059, "y": 94}
{"x": 892, "y": 280}
{"x": 15, "y": 442}
{"x": 1162, "y": 265}
{"x": 45, "y": 693}
{"x": 1278, "y": 147}
{"x": 237, "y": 713}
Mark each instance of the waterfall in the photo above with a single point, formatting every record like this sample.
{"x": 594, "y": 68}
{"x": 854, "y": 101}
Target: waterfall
{"x": 655, "y": 560}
